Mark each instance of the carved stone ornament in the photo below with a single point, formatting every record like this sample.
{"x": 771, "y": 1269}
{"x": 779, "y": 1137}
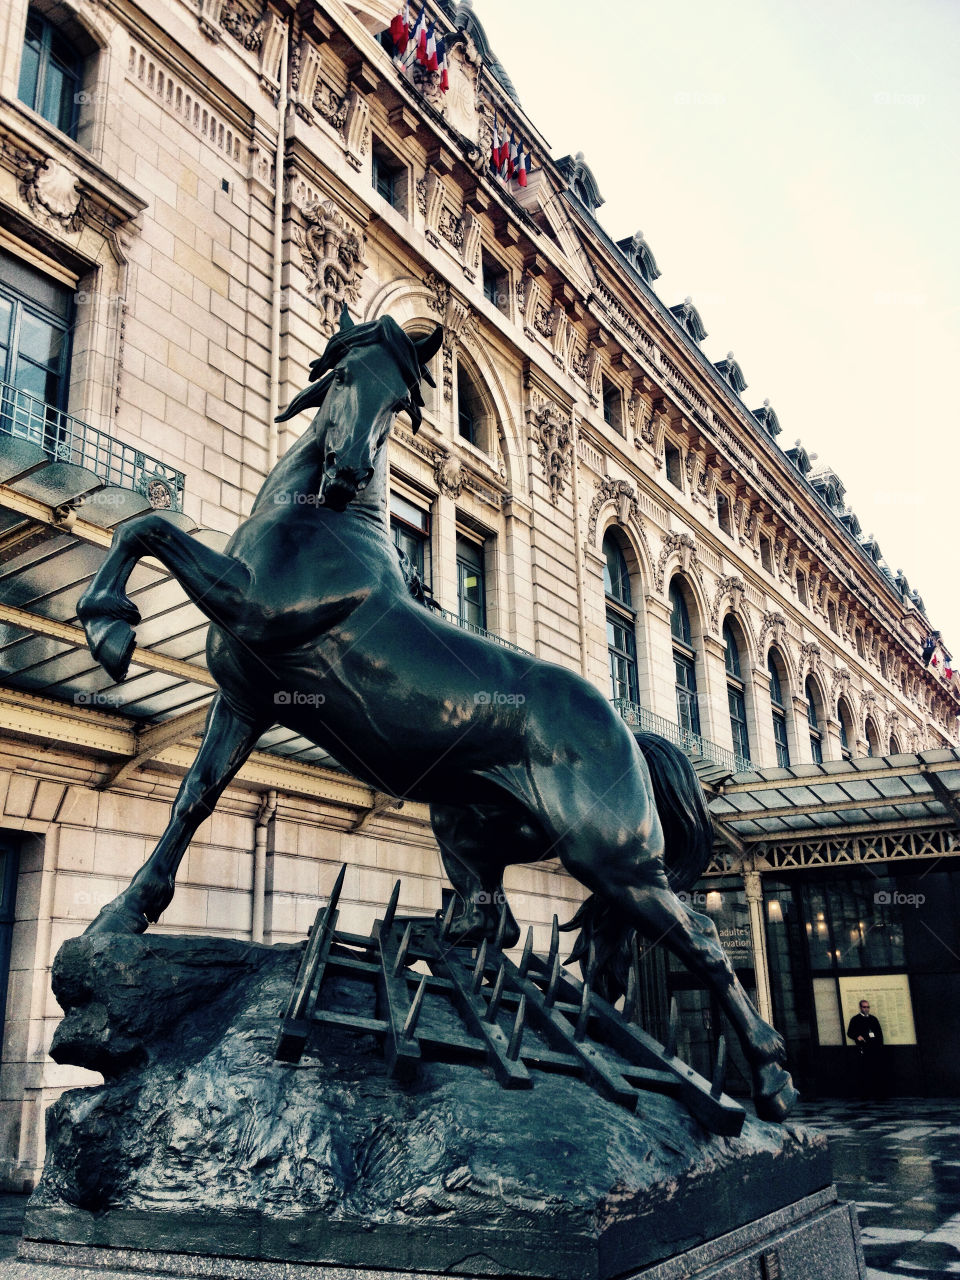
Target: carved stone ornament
{"x": 677, "y": 542}
{"x": 628, "y": 510}
{"x": 776, "y": 624}
{"x": 552, "y": 433}
{"x": 809, "y": 659}
{"x": 53, "y": 193}
{"x": 438, "y": 292}
{"x": 243, "y": 24}
{"x": 332, "y": 255}
{"x": 448, "y": 473}
{"x": 733, "y": 586}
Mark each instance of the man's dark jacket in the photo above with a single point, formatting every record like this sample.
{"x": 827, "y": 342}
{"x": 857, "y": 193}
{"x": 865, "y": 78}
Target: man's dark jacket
{"x": 861, "y": 1024}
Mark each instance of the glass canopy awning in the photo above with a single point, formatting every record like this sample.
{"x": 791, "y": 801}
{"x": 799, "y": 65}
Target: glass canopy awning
{"x": 840, "y": 798}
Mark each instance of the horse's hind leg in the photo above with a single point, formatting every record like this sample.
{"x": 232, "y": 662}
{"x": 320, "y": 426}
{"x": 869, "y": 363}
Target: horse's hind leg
{"x": 216, "y": 583}
{"x": 227, "y": 741}
{"x": 693, "y": 938}
{"x": 477, "y": 841}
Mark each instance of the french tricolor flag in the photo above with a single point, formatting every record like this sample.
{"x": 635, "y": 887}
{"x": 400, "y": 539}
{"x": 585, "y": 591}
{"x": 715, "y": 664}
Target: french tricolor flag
{"x": 400, "y": 31}
{"x": 495, "y": 146}
{"x": 430, "y": 52}
{"x": 523, "y": 164}
{"x": 418, "y": 36}
{"x": 443, "y": 65}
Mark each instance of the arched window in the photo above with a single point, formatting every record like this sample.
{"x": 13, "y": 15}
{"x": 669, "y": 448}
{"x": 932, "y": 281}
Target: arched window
{"x": 813, "y": 721}
{"x": 895, "y": 748}
{"x": 51, "y": 74}
{"x": 621, "y": 623}
{"x": 684, "y": 662}
{"x": 735, "y": 699}
{"x": 873, "y": 739}
{"x": 846, "y": 729}
{"x": 472, "y": 417}
{"x": 779, "y": 710}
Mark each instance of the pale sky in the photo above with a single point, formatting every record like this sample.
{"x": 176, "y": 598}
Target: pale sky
{"x": 795, "y": 168}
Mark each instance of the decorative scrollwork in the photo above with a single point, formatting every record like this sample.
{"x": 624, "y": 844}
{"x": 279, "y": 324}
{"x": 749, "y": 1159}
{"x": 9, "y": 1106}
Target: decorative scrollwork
{"x": 332, "y": 255}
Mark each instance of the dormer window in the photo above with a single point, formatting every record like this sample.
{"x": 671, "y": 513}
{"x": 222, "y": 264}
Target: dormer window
{"x": 688, "y": 317}
{"x": 768, "y": 420}
{"x": 51, "y": 74}
{"x": 612, "y": 405}
{"x": 732, "y": 374}
{"x": 640, "y": 256}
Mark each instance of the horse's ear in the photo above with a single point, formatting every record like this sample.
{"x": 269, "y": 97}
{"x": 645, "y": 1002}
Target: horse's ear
{"x": 346, "y": 320}
{"x": 427, "y": 348}
{"x": 309, "y": 398}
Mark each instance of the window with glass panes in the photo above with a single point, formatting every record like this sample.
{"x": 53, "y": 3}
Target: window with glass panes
{"x": 684, "y": 663}
{"x": 621, "y": 623}
{"x": 843, "y": 715}
{"x": 410, "y": 527}
{"x": 779, "y": 713}
{"x": 35, "y": 314}
{"x": 50, "y": 74}
{"x": 816, "y": 733}
{"x": 471, "y": 596}
{"x": 735, "y": 695}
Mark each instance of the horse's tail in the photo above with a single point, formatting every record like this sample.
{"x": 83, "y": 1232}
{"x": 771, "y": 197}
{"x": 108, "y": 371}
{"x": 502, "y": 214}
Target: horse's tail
{"x": 688, "y": 844}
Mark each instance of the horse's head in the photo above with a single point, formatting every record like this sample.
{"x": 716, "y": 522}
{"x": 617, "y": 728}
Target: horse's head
{"x": 367, "y": 374}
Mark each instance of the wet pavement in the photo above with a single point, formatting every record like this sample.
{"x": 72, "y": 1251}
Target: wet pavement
{"x": 899, "y": 1161}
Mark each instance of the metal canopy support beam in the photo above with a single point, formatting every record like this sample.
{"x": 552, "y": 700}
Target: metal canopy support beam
{"x": 948, "y": 798}
{"x": 151, "y": 741}
{"x": 68, "y": 634}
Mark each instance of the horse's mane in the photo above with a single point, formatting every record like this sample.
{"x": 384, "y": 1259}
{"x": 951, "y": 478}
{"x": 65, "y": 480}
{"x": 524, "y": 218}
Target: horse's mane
{"x": 383, "y": 332}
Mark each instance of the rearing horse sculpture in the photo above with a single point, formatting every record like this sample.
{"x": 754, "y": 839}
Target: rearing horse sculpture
{"x": 313, "y": 627}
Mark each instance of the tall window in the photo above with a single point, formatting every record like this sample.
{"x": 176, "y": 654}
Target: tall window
{"x": 735, "y": 698}
{"x": 35, "y": 314}
{"x": 779, "y": 712}
{"x": 410, "y": 526}
{"x": 50, "y": 74}
{"x": 496, "y": 283}
{"x": 813, "y": 721}
{"x": 389, "y": 177}
{"x": 612, "y": 404}
{"x": 621, "y": 623}
{"x": 470, "y": 410}
{"x": 684, "y": 662}
{"x": 471, "y": 592}
{"x": 846, "y": 729}
{"x": 873, "y": 739}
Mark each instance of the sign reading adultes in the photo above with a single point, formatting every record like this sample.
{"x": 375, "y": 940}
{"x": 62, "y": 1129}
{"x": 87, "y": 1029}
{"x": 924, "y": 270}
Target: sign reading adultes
{"x": 890, "y": 1003}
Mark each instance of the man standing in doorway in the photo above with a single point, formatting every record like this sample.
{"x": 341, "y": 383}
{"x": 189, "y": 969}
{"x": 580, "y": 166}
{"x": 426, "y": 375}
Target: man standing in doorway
{"x": 867, "y": 1035}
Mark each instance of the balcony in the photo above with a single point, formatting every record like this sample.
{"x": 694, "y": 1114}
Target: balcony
{"x": 478, "y": 631}
{"x": 700, "y": 750}
{"x": 64, "y": 438}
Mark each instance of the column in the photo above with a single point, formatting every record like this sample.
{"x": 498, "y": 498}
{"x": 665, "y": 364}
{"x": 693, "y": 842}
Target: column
{"x": 758, "y": 938}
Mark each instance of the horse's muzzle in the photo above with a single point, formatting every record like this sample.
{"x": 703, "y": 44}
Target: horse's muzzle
{"x": 340, "y": 488}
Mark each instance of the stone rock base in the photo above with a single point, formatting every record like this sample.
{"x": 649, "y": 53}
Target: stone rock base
{"x": 199, "y": 1143}
{"x": 814, "y": 1238}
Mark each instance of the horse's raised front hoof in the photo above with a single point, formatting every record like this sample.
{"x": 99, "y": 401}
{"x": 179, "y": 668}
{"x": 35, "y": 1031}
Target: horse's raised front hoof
{"x": 116, "y": 917}
{"x": 774, "y": 1094}
{"x": 112, "y": 644}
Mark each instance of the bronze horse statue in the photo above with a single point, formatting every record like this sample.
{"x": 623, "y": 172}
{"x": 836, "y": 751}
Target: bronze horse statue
{"x": 314, "y": 626}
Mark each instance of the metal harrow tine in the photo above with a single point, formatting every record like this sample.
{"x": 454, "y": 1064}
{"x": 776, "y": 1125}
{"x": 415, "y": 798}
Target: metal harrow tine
{"x": 403, "y": 948}
{"x": 527, "y": 953}
{"x": 501, "y": 926}
{"x": 633, "y": 1014}
{"x": 583, "y": 1017}
{"x": 720, "y": 1070}
{"x": 479, "y": 968}
{"x": 447, "y": 920}
{"x": 551, "y": 992}
{"x": 554, "y": 942}
{"x": 413, "y": 1015}
{"x": 387, "y": 923}
{"x": 516, "y": 1035}
{"x": 630, "y": 999}
{"x": 335, "y": 892}
{"x": 494, "y": 1005}
{"x": 673, "y": 1030}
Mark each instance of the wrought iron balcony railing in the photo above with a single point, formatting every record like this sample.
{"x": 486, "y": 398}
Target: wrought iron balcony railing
{"x": 479, "y": 631}
{"x": 692, "y": 743}
{"x": 64, "y": 438}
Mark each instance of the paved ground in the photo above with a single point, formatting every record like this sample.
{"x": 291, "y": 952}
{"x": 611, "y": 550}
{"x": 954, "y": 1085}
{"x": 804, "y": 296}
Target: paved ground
{"x": 899, "y": 1161}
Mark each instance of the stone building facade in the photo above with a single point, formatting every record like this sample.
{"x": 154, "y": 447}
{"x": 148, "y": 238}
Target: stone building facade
{"x": 187, "y": 200}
